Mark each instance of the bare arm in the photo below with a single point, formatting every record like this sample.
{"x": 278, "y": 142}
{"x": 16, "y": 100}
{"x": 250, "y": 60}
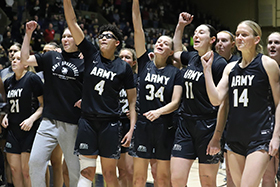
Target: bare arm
{"x": 214, "y": 144}
{"x": 216, "y": 94}
{"x": 131, "y": 97}
{"x": 25, "y": 57}
{"x": 168, "y": 108}
{"x": 184, "y": 20}
{"x": 139, "y": 36}
{"x": 273, "y": 73}
{"x": 27, "y": 124}
{"x": 71, "y": 20}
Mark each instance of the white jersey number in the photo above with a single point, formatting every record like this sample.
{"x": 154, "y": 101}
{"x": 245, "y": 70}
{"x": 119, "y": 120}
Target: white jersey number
{"x": 100, "y": 87}
{"x": 242, "y": 99}
{"x": 158, "y": 94}
{"x": 189, "y": 90}
{"x": 14, "y": 106}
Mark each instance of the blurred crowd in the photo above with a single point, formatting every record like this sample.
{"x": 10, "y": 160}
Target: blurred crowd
{"x": 48, "y": 14}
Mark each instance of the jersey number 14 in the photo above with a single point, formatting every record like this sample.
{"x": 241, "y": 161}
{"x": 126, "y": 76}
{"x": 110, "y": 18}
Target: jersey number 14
{"x": 242, "y": 99}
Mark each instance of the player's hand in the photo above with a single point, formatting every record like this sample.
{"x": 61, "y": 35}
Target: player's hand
{"x": 127, "y": 139}
{"x": 26, "y": 125}
{"x": 5, "y": 122}
{"x": 127, "y": 114}
{"x": 213, "y": 147}
{"x": 152, "y": 115}
{"x": 78, "y": 103}
{"x": 185, "y": 18}
{"x": 30, "y": 26}
{"x": 207, "y": 60}
{"x": 273, "y": 146}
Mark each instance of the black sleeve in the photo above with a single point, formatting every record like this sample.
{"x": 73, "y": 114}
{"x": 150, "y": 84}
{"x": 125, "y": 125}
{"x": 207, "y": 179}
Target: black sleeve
{"x": 37, "y": 85}
{"x": 44, "y": 59}
{"x": 185, "y": 57}
{"x": 178, "y": 78}
{"x": 142, "y": 61}
{"x": 129, "y": 79}
{"x": 218, "y": 67}
{"x": 87, "y": 48}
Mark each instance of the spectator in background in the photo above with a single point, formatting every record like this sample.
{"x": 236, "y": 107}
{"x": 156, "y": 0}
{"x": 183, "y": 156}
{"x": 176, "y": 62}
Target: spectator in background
{"x": 46, "y": 12}
{"x": 49, "y": 33}
{"x": 36, "y": 9}
{"x": 145, "y": 17}
{"x": 3, "y": 57}
{"x": 116, "y": 16}
{"x": 37, "y": 39}
{"x": 7, "y": 41}
{"x": 15, "y": 29}
{"x": 129, "y": 41}
{"x": 127, "y": 29}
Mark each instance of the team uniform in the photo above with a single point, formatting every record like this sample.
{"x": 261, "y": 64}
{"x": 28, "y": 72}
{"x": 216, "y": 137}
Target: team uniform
{"x": 197, "y": 114}
{"x": 99, "y": 126}
{"x": 22, "y": 97}
{"x": 233, "y": 58}
{"x": 125, "y": 122}
{"x": 153, "y": 140}
{"x": 251, "y": 108}
{"x": 63, "y": 76}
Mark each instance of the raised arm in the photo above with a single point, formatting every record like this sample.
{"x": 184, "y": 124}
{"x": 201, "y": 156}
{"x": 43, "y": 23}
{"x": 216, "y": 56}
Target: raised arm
{"x": 139, "y": 36}
{"x": 71, "y": 20}
{"x": 184, "y": 19}
{"x": 216, "y": 94}
{"x": 25, "y": 57}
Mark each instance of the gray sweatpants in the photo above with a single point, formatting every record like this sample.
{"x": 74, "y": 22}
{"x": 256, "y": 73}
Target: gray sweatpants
{"x": 49, "y": 134}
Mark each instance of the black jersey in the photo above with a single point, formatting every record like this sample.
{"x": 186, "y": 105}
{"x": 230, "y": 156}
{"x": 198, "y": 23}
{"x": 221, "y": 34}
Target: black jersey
{"x": 155, "y": 87}
{"x": 22, "y": 97}
{"x": 195, "y": 101}
{"x": 251, "y": 105}
{"x": 124, "y": 106}
{"x": 103, "y": 80}
{"x": 63, "y": 74}
{"x": 233, "y": 58}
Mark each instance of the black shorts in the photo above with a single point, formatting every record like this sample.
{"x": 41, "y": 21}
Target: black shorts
{"x": 246, "y": 149}
{"x": 192, "y": 138}
{"x": 153, "y": 140}
{"x": 125, "y": 126}
{"x": 99, "y": 137}
{"x": 18, "y": 145}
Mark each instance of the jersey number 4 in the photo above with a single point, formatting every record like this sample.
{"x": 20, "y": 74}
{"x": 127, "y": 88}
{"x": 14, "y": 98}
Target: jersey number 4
{"x": 153, "y": 94}
{"x": 100, "y": 87}
{"x": 242, "y": 99}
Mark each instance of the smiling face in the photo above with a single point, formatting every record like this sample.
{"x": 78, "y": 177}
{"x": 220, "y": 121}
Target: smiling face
{"x": 202, "y": 39}
{"x": 68, "y": 42}
{"x": 273, "y": 46}
{"x": 164, "y": 46}
{"x": 224, "y": 44}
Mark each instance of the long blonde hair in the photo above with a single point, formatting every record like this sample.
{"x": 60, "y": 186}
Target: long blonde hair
{"x": 257, "y": 31}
